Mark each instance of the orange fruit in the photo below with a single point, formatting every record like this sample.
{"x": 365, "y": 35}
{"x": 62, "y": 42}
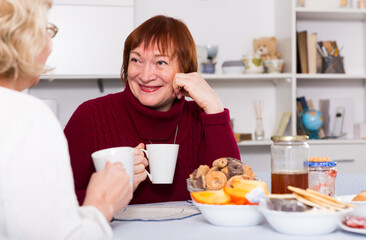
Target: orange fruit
{"x": 237, "y": 195}
{"x": 249, "y": 185}
{"x": 211, "y": 197}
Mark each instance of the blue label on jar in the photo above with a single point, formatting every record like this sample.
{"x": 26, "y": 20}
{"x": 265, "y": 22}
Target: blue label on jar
{"x": 322, "y": 164}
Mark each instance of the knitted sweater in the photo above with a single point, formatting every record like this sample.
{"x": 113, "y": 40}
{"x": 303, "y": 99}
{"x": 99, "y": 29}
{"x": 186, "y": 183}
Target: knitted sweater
{"x": 121, "y": 120}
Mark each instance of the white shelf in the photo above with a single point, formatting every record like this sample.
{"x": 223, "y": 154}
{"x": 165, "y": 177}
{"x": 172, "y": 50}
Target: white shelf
{"x": 208, "y": 77}
{"x": 268, "y": 142}
{"x": 118, "y": 3}
{"x": 331, "y": 76}
{"x": 338, "y": 14}
{"x": 244, "y": 77}
{"x": 265, "y": 142}
{"x": 336, "y": 141}
{"x": 79, "y": 77}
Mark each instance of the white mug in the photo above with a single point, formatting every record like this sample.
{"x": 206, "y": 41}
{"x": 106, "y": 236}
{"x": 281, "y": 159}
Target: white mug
{"x": 162, "y": 160}
{"x": 125, "y": 155}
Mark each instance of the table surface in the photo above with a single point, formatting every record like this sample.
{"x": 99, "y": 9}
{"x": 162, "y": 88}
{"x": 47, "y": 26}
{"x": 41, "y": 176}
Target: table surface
{"x": 197, "y": 227}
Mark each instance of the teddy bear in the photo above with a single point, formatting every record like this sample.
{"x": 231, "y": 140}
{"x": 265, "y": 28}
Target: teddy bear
{"x": 266, "y": 48}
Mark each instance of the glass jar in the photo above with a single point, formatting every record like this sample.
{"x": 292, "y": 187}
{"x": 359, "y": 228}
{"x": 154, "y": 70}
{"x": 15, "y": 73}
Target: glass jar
{"x": 322, "y": 177}
{"x": 289, "y": 163}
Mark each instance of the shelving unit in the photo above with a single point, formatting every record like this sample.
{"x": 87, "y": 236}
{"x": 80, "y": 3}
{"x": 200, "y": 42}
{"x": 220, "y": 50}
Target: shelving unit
{"x": 347, "y": 26}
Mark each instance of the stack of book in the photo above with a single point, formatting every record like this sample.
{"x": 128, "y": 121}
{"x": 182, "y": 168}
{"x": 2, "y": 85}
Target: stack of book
{"x": 311, "y": 52}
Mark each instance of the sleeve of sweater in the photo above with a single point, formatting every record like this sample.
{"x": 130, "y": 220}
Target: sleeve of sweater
{"x": 37, "y": 195}
{"x": 80, "y": 137}
{"x": 219, "y": 140}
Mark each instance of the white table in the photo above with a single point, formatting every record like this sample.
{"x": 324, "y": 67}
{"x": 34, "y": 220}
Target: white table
{"x": 197, "y": 227}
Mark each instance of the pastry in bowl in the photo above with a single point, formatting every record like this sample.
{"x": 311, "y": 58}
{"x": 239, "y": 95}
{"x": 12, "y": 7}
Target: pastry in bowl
{"x": 220, "y": 174}
{"x": 360, "y": 197}
{"x": 228, "y": 181}
{"x": 358, "y": 200}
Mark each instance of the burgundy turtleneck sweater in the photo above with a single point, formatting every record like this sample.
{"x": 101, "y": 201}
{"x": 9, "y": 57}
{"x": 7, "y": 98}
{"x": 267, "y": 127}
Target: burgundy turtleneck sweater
{"x": 121, "y": 120}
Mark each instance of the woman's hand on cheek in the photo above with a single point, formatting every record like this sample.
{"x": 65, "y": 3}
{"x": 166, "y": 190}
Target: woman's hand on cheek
{"x": 140, "y": 163}
{"x": 194, "y": 86}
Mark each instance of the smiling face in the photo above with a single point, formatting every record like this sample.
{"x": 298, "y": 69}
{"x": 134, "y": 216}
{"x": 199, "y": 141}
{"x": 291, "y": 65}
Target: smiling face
{"x": 150, "y": 77}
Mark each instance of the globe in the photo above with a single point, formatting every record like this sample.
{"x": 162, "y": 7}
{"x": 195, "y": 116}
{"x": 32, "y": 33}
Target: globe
{"x": 312, "y": 120}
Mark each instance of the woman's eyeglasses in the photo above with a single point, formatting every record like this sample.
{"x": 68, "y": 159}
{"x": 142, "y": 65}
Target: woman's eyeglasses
{"x": 51, "y": 29}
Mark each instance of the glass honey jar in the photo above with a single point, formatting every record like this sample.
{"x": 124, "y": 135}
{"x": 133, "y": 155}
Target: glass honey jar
{"x": 289, "y": 163}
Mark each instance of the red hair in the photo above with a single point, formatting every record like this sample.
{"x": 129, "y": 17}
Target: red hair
{"x": 170, "y": 35}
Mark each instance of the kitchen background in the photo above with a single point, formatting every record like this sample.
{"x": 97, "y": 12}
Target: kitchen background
{"x": 88, "y": 52}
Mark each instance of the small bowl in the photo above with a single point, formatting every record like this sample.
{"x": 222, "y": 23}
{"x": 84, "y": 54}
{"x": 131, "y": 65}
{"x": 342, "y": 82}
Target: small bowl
{"x": 231, "y": 215}
{"x": 191, "y": 188}
{"x": 313, "y": 222}
{"x": 233, "y": 67}
{"x": 273, "y": 66}
{"x": 360, "y": 209}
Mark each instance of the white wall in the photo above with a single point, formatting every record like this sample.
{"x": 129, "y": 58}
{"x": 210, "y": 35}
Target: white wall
{"x": 231, "y": 24}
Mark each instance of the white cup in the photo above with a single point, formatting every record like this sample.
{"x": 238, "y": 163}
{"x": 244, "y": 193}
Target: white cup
{"x": 125, "y": 155}
{"x": 162, "y": 160}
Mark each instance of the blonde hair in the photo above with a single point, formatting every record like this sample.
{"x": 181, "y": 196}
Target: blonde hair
{"x": 22, "y": 37}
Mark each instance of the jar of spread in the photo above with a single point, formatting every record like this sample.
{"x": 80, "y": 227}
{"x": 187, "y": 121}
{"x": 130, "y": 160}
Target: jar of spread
{"x": 289, "y": 163}
{"x": 322, "y": 175}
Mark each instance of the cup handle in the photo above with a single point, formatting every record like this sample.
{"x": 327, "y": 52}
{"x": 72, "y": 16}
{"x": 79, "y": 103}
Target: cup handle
{"x": 148, "y": 174}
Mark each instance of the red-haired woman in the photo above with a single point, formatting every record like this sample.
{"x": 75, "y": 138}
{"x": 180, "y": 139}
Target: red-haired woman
{"x": 159, "y": 70}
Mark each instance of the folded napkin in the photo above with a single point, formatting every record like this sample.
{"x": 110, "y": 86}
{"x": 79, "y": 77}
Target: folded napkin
{"x": 157, "y": 212}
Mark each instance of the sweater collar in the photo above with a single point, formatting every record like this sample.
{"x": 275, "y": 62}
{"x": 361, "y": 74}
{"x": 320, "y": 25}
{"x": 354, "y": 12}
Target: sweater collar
{"x": 151, "y": 124}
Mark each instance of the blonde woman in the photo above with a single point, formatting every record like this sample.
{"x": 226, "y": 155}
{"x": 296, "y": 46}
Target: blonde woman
{"x": 37, "y": 198}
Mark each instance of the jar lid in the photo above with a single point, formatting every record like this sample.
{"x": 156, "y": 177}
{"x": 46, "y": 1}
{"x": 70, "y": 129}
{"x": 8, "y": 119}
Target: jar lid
{"x": 299, "y": 138}
{"x": 322, "y": 164}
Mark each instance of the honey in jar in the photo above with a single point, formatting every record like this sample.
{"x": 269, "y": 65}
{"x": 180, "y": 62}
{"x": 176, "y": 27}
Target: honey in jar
{"x": 289, "y": 163}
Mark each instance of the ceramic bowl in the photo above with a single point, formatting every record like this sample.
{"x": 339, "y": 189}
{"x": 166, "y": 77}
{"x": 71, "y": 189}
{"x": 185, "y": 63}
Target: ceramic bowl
{"x": 228, "y": 215}
{"x": 273, "y": 66}
{"x": 313, "y": 222}
{"x": 360, "y": 208}
{"x": 231, "y": 215}
{"x": 233, "y": 67}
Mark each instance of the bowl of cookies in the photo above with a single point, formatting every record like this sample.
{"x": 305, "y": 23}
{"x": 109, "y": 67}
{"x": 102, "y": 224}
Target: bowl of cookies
{"x": 305, "y": 212}
{"x": 227, "y": 194}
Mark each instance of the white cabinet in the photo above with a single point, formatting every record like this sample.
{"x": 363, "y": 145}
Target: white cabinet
{"x": 349, "y": 155}
{"x": 91, "y": 37}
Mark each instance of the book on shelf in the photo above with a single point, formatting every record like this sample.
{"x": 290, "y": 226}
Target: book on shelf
{"x": 319, "y": 58}
{"x": 312, "y": 53}
{"x": 303, "y": 103}
{"x": 283, "y": 118}
{"x": 301, "y": 106}
{"x": 302, "y": 45}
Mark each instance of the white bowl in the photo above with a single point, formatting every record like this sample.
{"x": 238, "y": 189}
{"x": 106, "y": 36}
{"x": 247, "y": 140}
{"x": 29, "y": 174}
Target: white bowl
{"x": 273, "y": 66}
{"x": 233, "y": 67}
{"x": 360, "y": 210}
{"x": 231, "y": 215}
{"x": 313, "y": 222}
